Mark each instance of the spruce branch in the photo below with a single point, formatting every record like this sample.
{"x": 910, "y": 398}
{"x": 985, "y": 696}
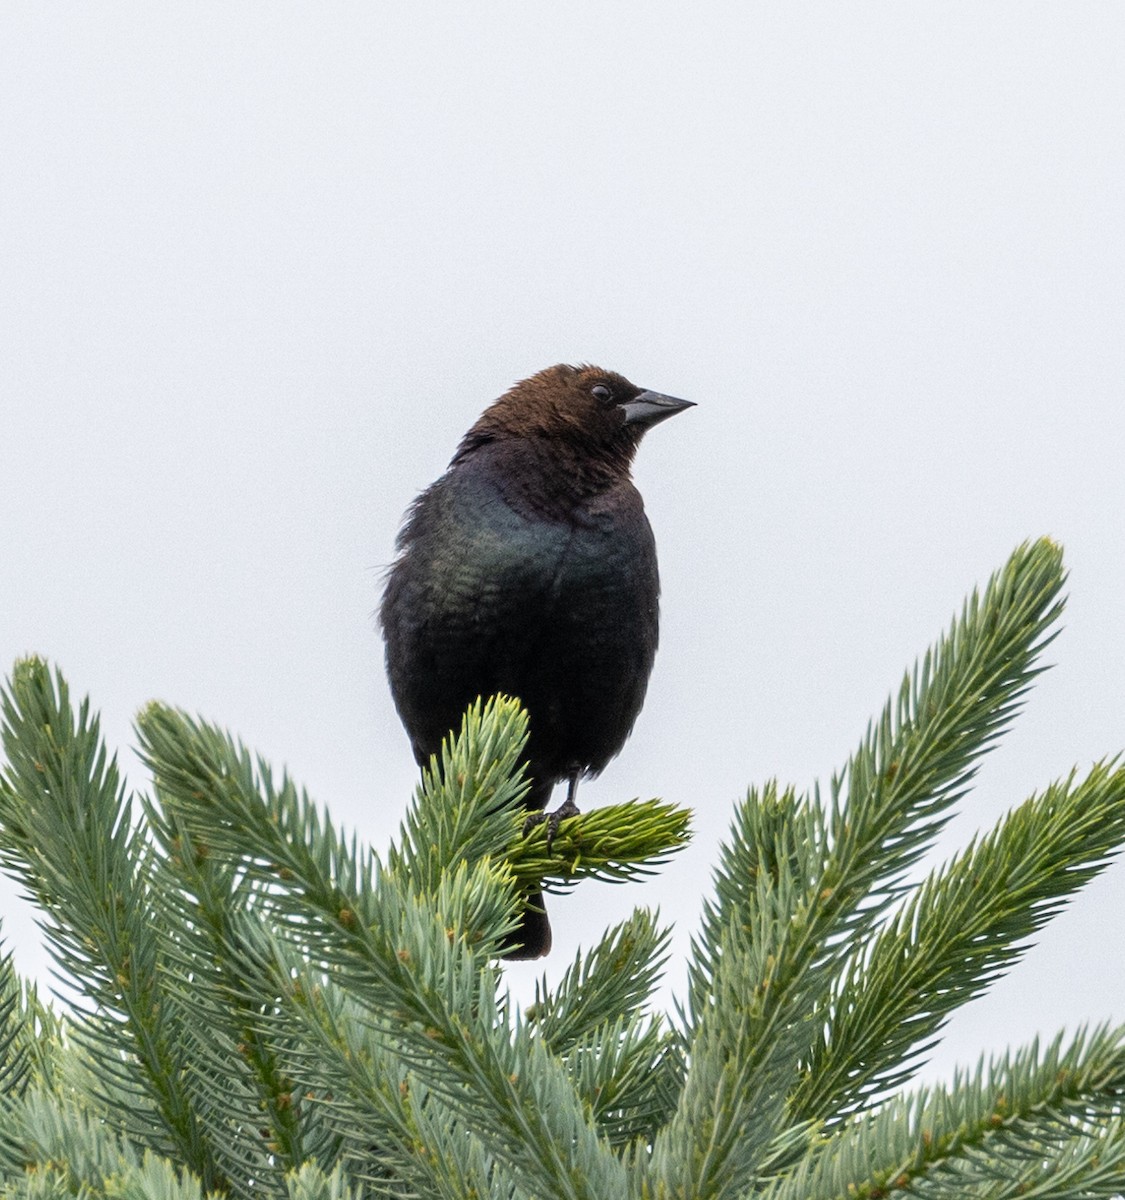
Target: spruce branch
{"x": 30, "y": 1035}
{"x": 619, "y": 843}
{"x": 797, "y": 883}
{"x": 467, "y": 807}
{"x": 894, "y": 794}
{"x": 312, "y": 1183}
{"x": 628, "y": 1075}
{"x": 15, "y": 1032}
{"x": 44, "y": 1127}
{"x": 392, "y": 1131}
{"x": 611, "y": 980}
{"x": 231, "y": 809}
{"x": 401, "y": 953}
{"x": 919, "y": 758}
{"x": 960, "y": 930}
{"x": 1043, "y": 1123}
{"x": 67, "y": 834}
{"x": 628, "y": 1070}
{"x": 51, "y": 1146}
{"x": 207, "y": 898}
{"x": 306, "y": 874}
{"x": 430, "y": 997}
{"x": 742, "y": 1052}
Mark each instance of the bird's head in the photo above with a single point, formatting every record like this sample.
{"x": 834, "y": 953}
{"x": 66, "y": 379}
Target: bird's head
{"x": 597, "y": 413}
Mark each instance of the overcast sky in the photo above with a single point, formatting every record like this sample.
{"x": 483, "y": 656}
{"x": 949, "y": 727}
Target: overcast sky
{"x": 264, "y": 263}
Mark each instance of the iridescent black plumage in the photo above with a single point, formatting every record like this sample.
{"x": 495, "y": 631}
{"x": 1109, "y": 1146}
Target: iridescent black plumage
{"x": 529, "y": 568}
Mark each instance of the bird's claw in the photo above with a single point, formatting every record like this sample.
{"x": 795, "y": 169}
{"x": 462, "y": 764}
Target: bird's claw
{"x": 567, "y": 809}
{"x": 533, "y": 819}
{"x": 553, "y": 819}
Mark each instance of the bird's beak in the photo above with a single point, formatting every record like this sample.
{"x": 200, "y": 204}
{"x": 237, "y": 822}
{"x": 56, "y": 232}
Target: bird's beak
{"x": 649, "y": 408}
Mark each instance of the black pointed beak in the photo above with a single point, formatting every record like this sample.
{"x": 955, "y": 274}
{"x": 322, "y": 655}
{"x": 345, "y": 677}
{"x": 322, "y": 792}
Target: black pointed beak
{"x": 650, "y": 408}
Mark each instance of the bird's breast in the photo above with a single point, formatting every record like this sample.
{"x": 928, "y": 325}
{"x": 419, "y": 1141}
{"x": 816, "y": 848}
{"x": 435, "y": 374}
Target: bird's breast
{"x": 557, "y": 609}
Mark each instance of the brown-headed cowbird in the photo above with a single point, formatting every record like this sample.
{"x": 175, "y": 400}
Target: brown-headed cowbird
{"x": 529, "y": 568}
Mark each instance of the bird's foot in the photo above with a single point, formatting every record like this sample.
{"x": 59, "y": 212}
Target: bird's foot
{"x": 553, "y": 819}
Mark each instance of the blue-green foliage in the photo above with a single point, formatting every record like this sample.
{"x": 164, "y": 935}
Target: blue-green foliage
{"x": 262, "y": 1006}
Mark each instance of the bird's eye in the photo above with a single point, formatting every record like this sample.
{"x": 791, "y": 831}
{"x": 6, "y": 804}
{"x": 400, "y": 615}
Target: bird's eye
{"x": 600, "y": 391}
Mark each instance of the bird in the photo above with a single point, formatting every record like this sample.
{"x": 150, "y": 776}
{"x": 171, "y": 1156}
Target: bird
{"x": 529, "y": 569}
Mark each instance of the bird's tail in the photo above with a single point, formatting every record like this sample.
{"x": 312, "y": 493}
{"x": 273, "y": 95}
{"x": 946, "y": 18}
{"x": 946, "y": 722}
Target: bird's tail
{"x": 532, "y": 937}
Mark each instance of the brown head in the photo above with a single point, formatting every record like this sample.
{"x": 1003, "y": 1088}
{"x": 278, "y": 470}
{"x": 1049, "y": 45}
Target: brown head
{"x": 584, "y": 410}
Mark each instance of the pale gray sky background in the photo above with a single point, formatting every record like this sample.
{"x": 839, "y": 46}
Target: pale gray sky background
{"x": 264, "y": 263}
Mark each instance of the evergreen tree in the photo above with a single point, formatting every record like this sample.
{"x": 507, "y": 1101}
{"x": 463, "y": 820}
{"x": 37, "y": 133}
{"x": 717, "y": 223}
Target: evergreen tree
{"x": 265, "y": 1008}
